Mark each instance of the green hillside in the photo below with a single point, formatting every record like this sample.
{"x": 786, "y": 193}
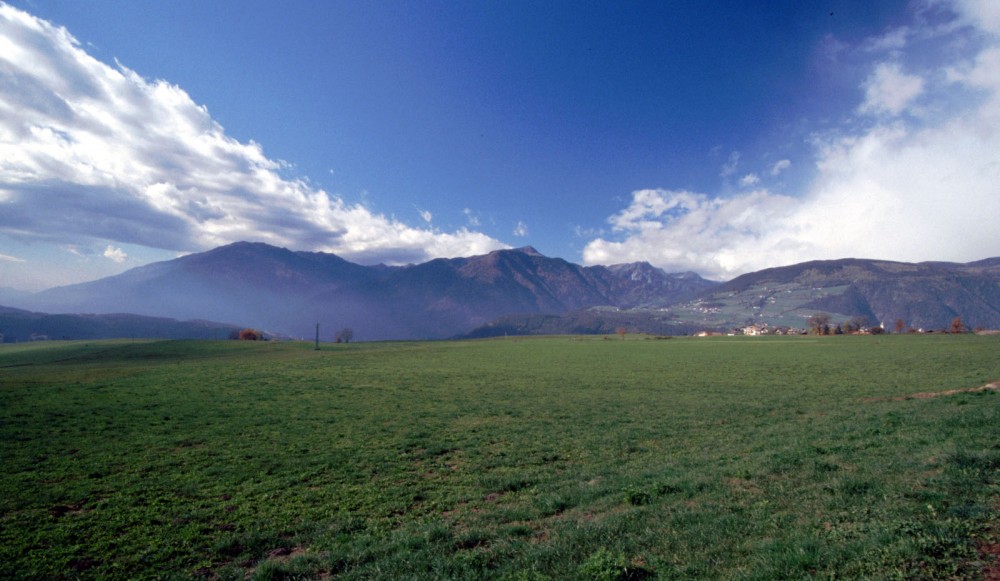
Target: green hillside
{"x": 773, "y": 304}
{"x": 17, "y": 325}
{"x": 519, "y": 458}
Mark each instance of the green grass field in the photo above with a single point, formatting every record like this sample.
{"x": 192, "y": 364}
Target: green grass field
{"x": 534, "y": 458}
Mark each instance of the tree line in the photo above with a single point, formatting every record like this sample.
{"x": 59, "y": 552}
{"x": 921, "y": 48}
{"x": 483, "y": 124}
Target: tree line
{"x": 820, "y": 324}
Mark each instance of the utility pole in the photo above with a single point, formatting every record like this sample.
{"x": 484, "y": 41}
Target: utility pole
{"x": 317, "y": 337}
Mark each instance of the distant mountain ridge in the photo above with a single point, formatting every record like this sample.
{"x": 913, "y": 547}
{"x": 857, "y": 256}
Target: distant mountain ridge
{"x": 17, "y": 325}
{"x": 922, "y": 296}
{"x": 288, "y": 292}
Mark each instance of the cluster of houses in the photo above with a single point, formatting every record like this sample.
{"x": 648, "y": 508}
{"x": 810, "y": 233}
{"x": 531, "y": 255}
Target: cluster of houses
{"x": 755, "y": 330}
{"x": 765, "y": 329}
{"x": 32, "y": 337}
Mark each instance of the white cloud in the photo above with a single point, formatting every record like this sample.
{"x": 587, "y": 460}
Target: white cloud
{"x": 93, "y": 152}
{"x": 749, "y": 180}
{"x": 116, "y": 255}
{"x": 427, "y": 216}
{"x": 521, "y": 229}
{"x": 682, "y": 230}
{"x": 6, "y": 258}
{"x": 983, "y": 14}
{"x": 890, "y": 90}
{"x": 893, "y": 41}
{"x": 581, "y": 232}
{"x": 908, "y": 188}
{"x": 780, "y": 166}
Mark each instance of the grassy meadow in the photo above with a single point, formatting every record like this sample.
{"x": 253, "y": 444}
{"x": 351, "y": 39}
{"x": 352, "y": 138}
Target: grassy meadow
{"x": 517, "y": 458}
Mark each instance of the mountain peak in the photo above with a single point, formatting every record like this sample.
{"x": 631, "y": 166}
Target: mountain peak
{"x": 526, "y": 250}
{"x": 529, "y": 250}
{"x": 631, "y": 266}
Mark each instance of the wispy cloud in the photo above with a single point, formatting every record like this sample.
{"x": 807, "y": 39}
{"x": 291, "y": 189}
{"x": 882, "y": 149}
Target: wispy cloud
{"x": 521, "y": 229}
{"x": 6, "y": 258}
{"x": 749, "y": 180}
{"x": 890, "y": 90}
{"x": 780, "y": 166}
{"x": 472, "y": 218}
{"x": 887, "y": 185}
{"x": 91, "y": 153}
{"x": 731, "y": 165}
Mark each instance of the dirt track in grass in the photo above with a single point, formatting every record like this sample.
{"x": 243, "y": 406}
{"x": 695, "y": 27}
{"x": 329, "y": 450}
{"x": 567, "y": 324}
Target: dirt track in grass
{"x": 988, "y": 550}
{"x": 995, "y": 386}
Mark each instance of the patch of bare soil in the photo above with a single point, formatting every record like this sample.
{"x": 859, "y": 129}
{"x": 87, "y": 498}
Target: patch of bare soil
{"x": 991, "y": 555}
{"x": 995, "y": 386}
{"x": 82, "y": 564}
{"x": 61, "y": 510}
{"x": 285, "y": 553}
{"x": 281, "y": 554}
{"x": 742, "y": 486}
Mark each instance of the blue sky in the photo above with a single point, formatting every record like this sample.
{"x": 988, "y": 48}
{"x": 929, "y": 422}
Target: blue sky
{"x": 718, "y": 140}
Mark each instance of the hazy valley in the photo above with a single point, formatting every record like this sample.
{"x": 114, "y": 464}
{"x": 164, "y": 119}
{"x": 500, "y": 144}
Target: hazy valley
{"x": 516, "y": 291}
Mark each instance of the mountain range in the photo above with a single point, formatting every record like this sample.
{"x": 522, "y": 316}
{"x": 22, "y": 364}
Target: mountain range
{"x": 287, "y": 293}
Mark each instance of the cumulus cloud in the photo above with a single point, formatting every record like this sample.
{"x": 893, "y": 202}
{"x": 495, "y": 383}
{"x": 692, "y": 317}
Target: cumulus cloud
{"x": 94, "y": 152}
{"x": 886, "y": 185}
{"x": 115, "y": 254}
{"x": 682, "y": 230}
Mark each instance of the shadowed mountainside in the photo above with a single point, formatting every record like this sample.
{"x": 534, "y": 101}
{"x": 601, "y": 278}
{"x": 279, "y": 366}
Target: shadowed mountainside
{"x": 288, "y": 292}
{"x": 18, "y": 325}
{"x": 285, "y": 292}
{"x": 925, "y": 296}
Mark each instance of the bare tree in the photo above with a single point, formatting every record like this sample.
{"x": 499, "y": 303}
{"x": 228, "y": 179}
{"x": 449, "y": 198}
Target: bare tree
{"x": 819, "y": 324}
{"x": 250, "y": 335}
{"x": 900, "y": 325}
{"x": 957, "y": 326}
{"x": 620, "y": 331}
{"x": 344, "y": 335}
